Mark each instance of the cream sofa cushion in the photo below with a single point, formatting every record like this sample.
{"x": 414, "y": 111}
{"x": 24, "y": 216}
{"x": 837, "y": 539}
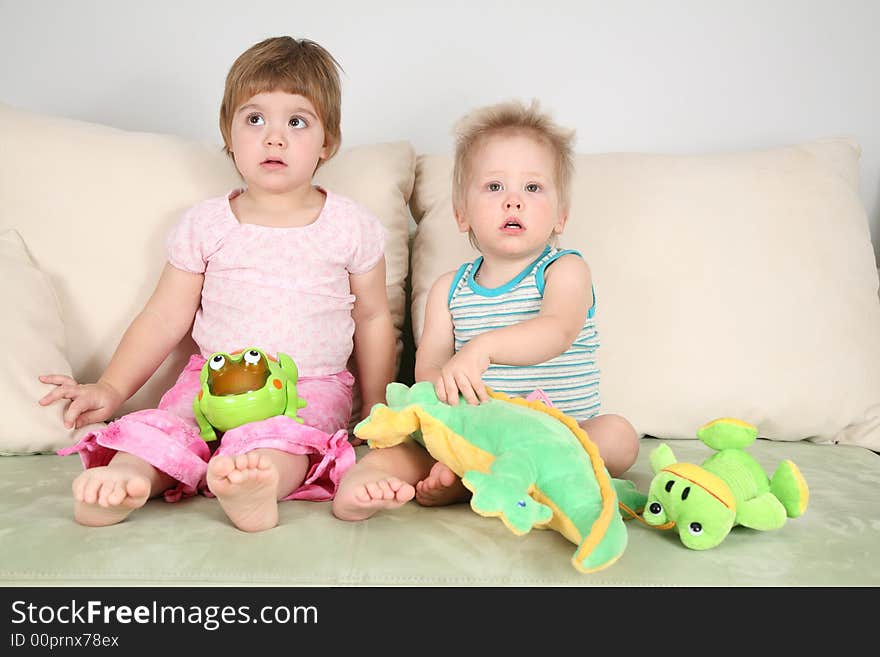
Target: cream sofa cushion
{"x": 94, "y": 205}
{"x": 739, "y": 284}
{"x": 32, "y": 336}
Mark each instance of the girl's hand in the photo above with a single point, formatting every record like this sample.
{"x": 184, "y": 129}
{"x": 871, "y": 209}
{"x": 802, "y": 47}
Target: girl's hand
{"x": 92, "y": 402}
{"x": 464, "y": 373}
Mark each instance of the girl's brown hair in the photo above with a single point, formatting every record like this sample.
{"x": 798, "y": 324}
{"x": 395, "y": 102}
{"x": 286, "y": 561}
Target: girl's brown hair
{"x": 296, "y": 66}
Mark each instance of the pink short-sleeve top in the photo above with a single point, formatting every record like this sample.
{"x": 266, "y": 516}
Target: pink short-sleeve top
{"x": 280, "y": 289}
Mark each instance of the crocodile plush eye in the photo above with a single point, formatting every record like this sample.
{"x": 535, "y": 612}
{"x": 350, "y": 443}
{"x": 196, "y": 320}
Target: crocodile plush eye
{"x": 655, "y": 508}
{"x": 252, "y": 357}
{"x": 217, "y": 362}
{"x": 695, "y": 528}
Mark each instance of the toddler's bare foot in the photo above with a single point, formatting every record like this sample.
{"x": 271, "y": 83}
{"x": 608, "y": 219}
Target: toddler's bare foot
{"x": 106, "y": 495}
{"x": 361, "y": 499}
{"x": 441, "y": 487}
{"x": 247, "y": 488}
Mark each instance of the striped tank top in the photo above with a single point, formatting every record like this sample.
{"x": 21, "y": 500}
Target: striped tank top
{"x": 571, "y": 380}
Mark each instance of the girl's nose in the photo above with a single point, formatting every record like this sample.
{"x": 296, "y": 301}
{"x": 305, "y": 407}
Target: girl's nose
{"x": 513, "y": 203}
{"x": 275, "y": 140}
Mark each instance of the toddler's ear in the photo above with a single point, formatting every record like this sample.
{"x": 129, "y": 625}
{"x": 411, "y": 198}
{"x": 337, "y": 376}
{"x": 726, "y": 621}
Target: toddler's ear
{"x": 460, "y": 221}
{"x": 560, "y": 224}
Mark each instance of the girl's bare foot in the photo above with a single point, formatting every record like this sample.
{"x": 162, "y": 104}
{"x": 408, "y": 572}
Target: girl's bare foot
{"x": 441, "y": 487}
{"x": 360, "y": 499}
{"x": 106, "y": 495}
{"x": 246, "y": 486}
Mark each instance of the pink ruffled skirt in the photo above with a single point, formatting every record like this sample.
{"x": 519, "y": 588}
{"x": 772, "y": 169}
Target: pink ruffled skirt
{"x": 168, "y": 437}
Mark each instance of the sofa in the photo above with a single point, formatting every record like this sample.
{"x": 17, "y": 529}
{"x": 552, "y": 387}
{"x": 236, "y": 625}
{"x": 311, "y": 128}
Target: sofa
{"x": 737, "y": 284}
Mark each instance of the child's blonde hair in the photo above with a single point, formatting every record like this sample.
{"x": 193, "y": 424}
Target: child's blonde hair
{"x": 511, "y": 118}
{"x": 296, "y": 66}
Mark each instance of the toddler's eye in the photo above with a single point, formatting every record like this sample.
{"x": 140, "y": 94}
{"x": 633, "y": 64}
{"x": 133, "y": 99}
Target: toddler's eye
{"x": 297, "y": 122}
{"x": 494, "y": 187}
{"x": 533, "y": 187}
{"x": 254, "y": 119}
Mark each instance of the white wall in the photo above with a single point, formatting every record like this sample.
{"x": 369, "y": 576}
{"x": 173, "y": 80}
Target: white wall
{"x": 677, "y": 76}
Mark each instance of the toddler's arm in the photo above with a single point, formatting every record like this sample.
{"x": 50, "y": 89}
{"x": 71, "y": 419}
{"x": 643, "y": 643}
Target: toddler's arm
{"x": 567, "y": 296}
{"x": 437, "y": 347}
{"x": 151, "y": 336}
{"x": 374, "y": 340}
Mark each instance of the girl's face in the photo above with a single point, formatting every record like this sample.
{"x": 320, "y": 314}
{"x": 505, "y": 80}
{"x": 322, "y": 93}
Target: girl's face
{"x": 511, "y": 202}
{"x": 277, "y": 141}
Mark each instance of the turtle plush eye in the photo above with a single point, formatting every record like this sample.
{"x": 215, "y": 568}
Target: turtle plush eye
{"x": 217, "y": 362}
{"x": 655, "y": 508}
{"x": 252, "y": 356}
{"x": 695, "y": 528}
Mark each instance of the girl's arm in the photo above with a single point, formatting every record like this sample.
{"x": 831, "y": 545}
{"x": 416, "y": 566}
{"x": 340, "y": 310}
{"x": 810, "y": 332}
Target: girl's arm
{"x": 374, "y": 339}
{"x": 152, "y": 335}
{"x": 567, "y": 295}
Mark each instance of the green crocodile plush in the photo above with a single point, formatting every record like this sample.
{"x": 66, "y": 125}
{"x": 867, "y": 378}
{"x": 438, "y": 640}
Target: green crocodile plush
{"x": 525, "y": 462}
{"x": 704, "y": 502}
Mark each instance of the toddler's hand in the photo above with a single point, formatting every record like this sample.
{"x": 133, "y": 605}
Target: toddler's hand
{"x": 463, "y": 373}
{"x": 92, "y": 402}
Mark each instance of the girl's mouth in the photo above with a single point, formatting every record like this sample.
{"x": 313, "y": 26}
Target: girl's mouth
{"x": 512, "y": 226}
{"x": 272, "y": 164}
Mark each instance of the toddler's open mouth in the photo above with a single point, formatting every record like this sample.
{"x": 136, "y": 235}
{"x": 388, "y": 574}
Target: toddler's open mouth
{"x": 512, "y": 225}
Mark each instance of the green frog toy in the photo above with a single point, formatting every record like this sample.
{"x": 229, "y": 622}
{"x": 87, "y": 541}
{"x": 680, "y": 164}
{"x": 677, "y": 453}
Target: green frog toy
{"x": 245, "y": 386}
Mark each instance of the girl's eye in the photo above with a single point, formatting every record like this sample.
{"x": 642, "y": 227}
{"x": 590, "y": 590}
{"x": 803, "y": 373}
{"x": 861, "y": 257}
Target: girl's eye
{"x": 255, "y": 119}
{"x": 533, "y": 187}
{"x": 297, "y": 122}
{"x": 494, "y": 187}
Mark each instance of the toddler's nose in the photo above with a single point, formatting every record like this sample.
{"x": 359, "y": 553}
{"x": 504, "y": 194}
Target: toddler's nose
{"x": 511, "y": 204}
{"x": 275, "y": 140}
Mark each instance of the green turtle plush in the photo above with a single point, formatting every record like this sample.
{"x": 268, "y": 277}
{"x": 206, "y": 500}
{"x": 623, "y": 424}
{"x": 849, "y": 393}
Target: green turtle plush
{"x": 524, "y": 461}
{"x": 245, "y": 386}
{"x": 704, "y": 502}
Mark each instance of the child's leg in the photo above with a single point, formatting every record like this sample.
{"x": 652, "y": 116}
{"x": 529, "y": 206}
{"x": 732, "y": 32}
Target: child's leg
{"x": 141, "y": 455}
{"x": 248, "y": 486}
{"x": 105, "y": 495}
{"x": 616, "y": 439}
{"x": 441, "y": 487}
{"x": 382, "y": 479}
{"x": 613, "y": 435}
{"x": 262, "y": 462}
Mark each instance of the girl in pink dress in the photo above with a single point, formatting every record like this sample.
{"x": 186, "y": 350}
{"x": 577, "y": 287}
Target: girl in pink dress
{"x": 280, "y": 264}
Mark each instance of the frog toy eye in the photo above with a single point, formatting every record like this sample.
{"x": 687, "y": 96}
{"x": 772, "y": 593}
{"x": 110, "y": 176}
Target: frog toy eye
{"x": 252, "y": 357}
{"x": 655, "y": 508}
{"x": 695, "y": 528}
{"x": 217, "y": 362}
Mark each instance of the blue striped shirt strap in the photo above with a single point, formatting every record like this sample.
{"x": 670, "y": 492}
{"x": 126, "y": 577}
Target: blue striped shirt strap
{"x": 455, "y": 279}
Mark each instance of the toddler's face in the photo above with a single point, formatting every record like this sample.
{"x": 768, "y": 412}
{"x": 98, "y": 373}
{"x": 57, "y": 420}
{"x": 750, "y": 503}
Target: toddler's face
{"x": 511, "y": 202}
{"x": 277, "y": 141}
